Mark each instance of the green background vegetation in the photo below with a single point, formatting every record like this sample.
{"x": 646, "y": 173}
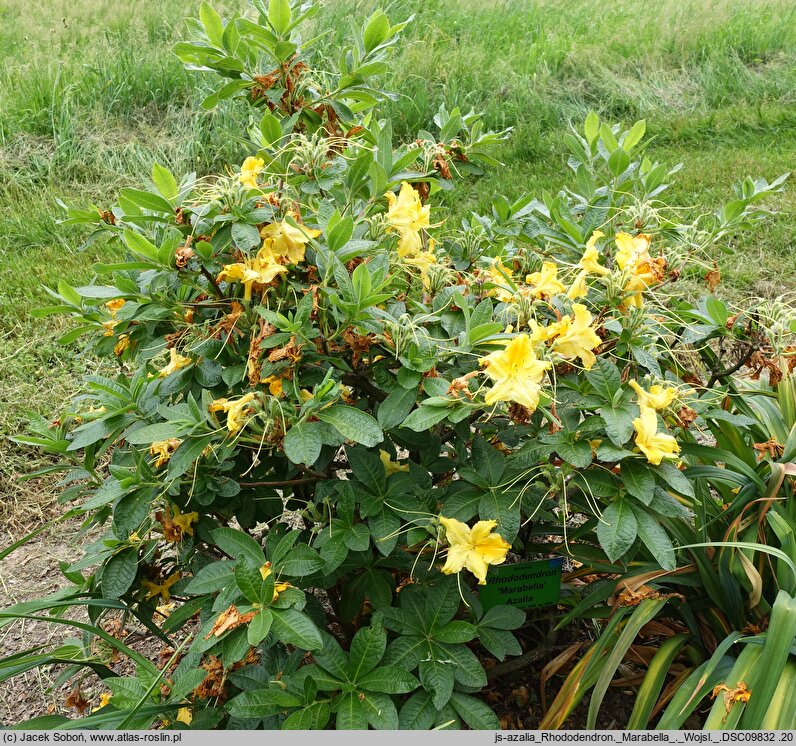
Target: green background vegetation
{"x": 91, "y": 96}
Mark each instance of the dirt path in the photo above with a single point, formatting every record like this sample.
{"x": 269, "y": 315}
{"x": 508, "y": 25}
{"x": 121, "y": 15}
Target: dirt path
{"x": 29, "y": 573}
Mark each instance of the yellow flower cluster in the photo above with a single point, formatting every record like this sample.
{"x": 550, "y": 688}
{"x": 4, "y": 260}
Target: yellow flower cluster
{"x": 517, "y": 372}
{"x": 236, "y": 411}
{"x": 654, "y": 445}
{"x": 407, "y": 216}
{"x": 282, "y": 243}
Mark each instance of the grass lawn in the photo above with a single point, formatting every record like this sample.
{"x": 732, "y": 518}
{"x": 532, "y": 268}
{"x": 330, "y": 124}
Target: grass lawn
{"x": 91, "y": 96}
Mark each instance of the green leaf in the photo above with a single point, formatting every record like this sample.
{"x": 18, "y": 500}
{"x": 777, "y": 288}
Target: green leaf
{"x": 617, "y": 529}
{"x": 146, "y": 200}
{"x": 339, "y": 237}
{"x": 503, "y": 507}
{"x": 418, "y": 712}
{"x": 367, "y": 649}
{"x": 604, "y": 378}
{"x": 488, "y": 462}
{"x": 376, "y": 31}
{"x": 312, "y": 717}
{"x": 211, "y": 578}
{"x": 164, "y": 179}
{"x": 261, "y": 703}
{"x": 678, "y": 481}
{"x": 353, "y": 424}
{"x": 639, "y": 480}
{"x": 249, "y": 580}
{"x": 655, "y": 539}
{"x": 119, "y": 573}
{"x": 633, "y": 137}
{"x": 294, "y": 628}
{"x": 437, "y": 679}
{"x": 591, "y": 126}
{"x": 380, "y": 711}
{"x": 238, "y": 544}
{"x": 577, "y": 453}
{"x": 270, "y": 129}
{"x": 245, "y": 236}
{"x": 300, "y": 560}
{"x": 186, "y": 454}
{"x": 303, "y": 443}
{"x": 618, "y": 161}
{"x": 477, "y": 714}
{"x": 140, "y": 245}
{"x": 425, "y": 417}
{"x": 389, "y": 680}
{"x": 608, "y": 138}
{"x": 214, "y": 28}
{"x": 456, "y": 631}
{"x": 152, "y": 433}
{"x": 350, "y": 713}
{"x": 396, "y": 407}
{"x": 279, "y": 15}
{"x": 503, "y": 617}
{"x": 618, "y": 424}
{"x": 259, "y": 627}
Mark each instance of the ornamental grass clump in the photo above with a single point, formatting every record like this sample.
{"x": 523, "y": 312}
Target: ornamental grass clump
{"x": 334, "y": 412}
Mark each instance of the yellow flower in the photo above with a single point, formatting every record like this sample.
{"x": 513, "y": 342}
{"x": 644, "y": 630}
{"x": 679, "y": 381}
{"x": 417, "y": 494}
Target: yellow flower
{"x": 114, "y": 305}
{"x": 658, "y": 397}
{"x": 109, "y": 326}
{"x": 176, "y": 361}
{"x": 545, "y": 283}
{"x": 590, "y": 261}
{"x": 541, "y": 333}
{"x": 578, "y": 287}
{"x": 422, "y": 260}
{"x": 250, "y": 170}
{"x": 634, "y": 259}
{"x": 407, "y": 215}
{"x": 632, "y": 249}
{"x": 134, "y": 538}
{"x": 265, "y": 571}
{"x": 160, "y": 589}
{"x": 121, "y": 345}
{"x": 655, "y": 446}
{"x": 105, "y": 699}
{"x": 260, "y": 269}
{"x": 516, "y": 372}
{"x": 275, "y": 386}
{"x": 502, "y": 290}
{"x": 184, "y": 520}
{"x": 163, "y": 450}
{"x": 474, "y": 548}
{"x": 576, "y": 338}
{"x": 589, "y": 265}
{"x": 390, "y": 466}
{"x": 184, "y": 715}
{"x": 236, "y": 410}
{"x": 285, "y": 240}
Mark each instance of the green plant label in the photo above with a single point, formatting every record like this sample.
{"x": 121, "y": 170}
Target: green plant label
{"x": 524, "y": 584}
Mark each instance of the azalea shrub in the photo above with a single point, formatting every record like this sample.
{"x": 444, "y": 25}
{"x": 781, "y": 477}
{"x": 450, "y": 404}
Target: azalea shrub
{"x": 335, "y": 409}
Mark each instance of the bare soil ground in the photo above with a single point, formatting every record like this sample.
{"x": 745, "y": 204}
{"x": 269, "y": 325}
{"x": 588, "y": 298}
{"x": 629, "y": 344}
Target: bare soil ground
{"x": 31, "y": 572}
